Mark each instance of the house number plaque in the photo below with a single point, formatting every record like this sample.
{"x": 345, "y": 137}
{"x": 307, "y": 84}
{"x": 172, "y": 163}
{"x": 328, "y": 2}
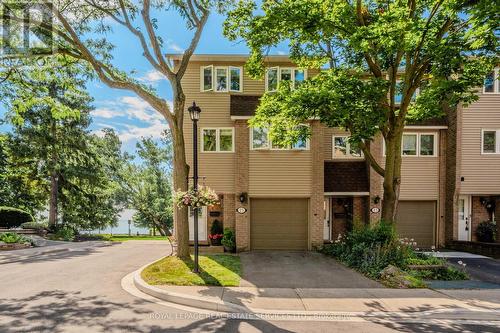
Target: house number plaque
{"x": 375, "y": 210}
{"x": 241, "y": 210}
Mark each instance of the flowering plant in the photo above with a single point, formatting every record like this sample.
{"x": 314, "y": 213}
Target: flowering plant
{"x": 203, "y": 197}
{"x": 216, "y": 236}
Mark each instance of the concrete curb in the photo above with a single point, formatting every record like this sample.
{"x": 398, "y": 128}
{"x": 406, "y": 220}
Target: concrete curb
{"x": 183, "y": 299}
{"x": 229, "y": 307}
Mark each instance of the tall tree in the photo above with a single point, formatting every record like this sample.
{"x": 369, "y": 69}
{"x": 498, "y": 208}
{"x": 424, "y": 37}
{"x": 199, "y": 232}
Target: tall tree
{"x": 149, "y": 188}
{"x": 377, "y": 55}
{"x": 80, "y": 31}
{"x": 50, "y": 144}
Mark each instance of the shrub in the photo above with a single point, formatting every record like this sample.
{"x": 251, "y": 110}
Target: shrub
{"x": 443, "y": 273}
{"x": 11, "y": 238}
{"x": 228, "y": 240}
{"x": 216, "y": 228}
{"x": 11, "y": 217}
{"x": 486, "y": 232}
{"x": 370, "y": 249}
{"x": 64, "y": 232}
{"x": 91, "y": 237}
{"x": 35, "y": 225}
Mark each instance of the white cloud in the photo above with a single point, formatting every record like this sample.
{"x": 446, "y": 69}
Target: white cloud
{"x": 140, "y": 119}
{"x": 174, "y": 47}
{"x": 152, "y": 76}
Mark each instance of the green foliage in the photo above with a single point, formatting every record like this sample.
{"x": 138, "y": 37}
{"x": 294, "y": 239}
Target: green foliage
{"x": 63, "y": 232}
{"x": 147, "y": 186}
{"x": 50, "y": 144}
{"x": 443, "y": 273}
{"x": 216, "y": 228}
{"x": 11, "y": 238}
{"x": 371, "y": 51}
{"x": 228, "y": 240}
{"x": 423, "y": 260}
{"x": 486, "y": 231}
{"x": 13, "y": 217}
{"x": 370, "y": 249}
{"x": 35, "y": 225}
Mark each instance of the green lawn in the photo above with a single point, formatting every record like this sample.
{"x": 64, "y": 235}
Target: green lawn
{"x": 215, "y": 270}
{"x": 122, "y": 238}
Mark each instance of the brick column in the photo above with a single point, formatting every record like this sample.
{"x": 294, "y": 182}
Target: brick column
{"x": 229, "y": 211}
{"x": 242, "y": 221}
{"x": 442, "y": 151}
{"x": 375, "y": 180}
{"x": 318, "y": 186}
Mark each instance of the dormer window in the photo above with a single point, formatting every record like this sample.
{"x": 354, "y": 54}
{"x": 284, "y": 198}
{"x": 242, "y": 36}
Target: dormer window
{"x": 274, "y": 75}
{"x": 221, "y": 79}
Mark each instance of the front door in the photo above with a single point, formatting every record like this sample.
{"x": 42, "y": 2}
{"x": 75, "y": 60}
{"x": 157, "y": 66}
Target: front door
{"x": 327, "y": 224}
{"x": 464, "y": 218}
{"x": 202, "y": 224}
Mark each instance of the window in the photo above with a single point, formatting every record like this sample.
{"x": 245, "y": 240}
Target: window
{"x": 342, "y": 148}
{"x": 492, "y": 82}
{"x": 274, "y": 75}
{"x": 217, "y": 140}
{"x": 226, "y": 79}
{"x": 235, "y": 79}
{"x": 260, "y": 140}
{"x": 491, "y": 142}
{"x": 398, "y": 96}
{"x": 426, "y": 144}
{"x": 221, "y": 78}
{"x": 410, "y": 144}
{"x": 272, "y": 79}
{"x": 207, "y": 74}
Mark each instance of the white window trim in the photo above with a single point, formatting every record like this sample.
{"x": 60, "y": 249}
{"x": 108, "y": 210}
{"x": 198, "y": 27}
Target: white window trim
{"x": 241, "y": 78}
{"x": 436, "y": 145}
{"x": 497, "y": 141}
{"x": 496, "y": 83}
{"x": 348, "y": 155}
{"x": 279, "y": 69}
{"x": 217, "y": 139}
{"x": 214, "y": 79}
{"x": 270, "y": 144}
{"x": 202, "y": 78}
{"x": 278, "y": 74}
{"x": 417, "y": 92}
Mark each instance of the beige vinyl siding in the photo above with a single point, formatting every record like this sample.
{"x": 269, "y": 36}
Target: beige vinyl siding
{"x": 481, "y": 172}
{"x": 420, "y": 174}
{"x": 219, "y": 168}
{"x": 328, "y": 133}
{"x": 280, "y": 173}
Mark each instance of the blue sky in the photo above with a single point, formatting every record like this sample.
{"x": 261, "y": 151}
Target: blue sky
{"x": 123, "y": 111}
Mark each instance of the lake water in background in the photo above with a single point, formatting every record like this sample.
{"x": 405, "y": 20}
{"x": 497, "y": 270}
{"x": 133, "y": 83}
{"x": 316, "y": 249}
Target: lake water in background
{"x": 122, "y": 228}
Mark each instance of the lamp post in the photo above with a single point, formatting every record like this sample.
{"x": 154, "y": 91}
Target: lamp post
{"x": 194, "y": 113}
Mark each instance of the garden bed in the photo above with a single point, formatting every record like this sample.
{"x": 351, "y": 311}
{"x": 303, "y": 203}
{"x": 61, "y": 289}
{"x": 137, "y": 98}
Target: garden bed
{"x": 377, "y": 252}
{"x": 215, "y": 270}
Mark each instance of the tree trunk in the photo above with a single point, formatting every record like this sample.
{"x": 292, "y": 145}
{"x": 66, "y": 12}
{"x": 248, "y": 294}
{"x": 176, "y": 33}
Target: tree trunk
{"x": 181, "y": 174}
{"x": 392, "y": 179}
{"x": 53, "y": 198}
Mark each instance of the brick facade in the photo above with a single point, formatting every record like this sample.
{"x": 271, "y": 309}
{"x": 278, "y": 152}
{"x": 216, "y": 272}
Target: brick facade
{"x": 452, "y": 174}
{"x": 229, "y": 211}
{"x": 479, "y": 214}
{"x": 441, "y": 213}
{"x": 242, "y": 221}
{"x": 316, "y": 218}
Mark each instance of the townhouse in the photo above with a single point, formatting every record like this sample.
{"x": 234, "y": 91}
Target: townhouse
{"x": 300, "y": 196}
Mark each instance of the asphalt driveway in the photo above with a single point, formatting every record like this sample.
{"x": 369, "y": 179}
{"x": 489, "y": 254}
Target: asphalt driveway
{"x": 298, "y": 269}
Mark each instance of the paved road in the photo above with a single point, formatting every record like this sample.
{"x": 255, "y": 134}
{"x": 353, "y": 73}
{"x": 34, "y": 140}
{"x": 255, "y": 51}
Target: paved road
{"x": 79, "y": 291}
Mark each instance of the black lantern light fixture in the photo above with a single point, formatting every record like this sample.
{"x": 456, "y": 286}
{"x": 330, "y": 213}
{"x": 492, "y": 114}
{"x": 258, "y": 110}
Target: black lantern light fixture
{"x": 194, "y": 113}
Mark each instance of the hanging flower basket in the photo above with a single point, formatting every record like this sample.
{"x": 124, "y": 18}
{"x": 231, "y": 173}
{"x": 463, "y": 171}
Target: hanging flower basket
{"x": 205, "y": 196}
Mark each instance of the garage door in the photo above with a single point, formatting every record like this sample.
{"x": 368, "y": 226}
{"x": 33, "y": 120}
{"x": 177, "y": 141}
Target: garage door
{"x": 416, "y": 219}
{"x": 278, "y": 224}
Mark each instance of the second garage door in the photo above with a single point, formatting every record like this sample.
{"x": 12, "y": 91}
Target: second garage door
{"x": 278, "y": 224}
{"x": 416, "y": 219}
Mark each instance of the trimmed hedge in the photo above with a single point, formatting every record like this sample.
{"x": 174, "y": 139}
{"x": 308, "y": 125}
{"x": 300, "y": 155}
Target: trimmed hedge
{"x": 11, "y": 217}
